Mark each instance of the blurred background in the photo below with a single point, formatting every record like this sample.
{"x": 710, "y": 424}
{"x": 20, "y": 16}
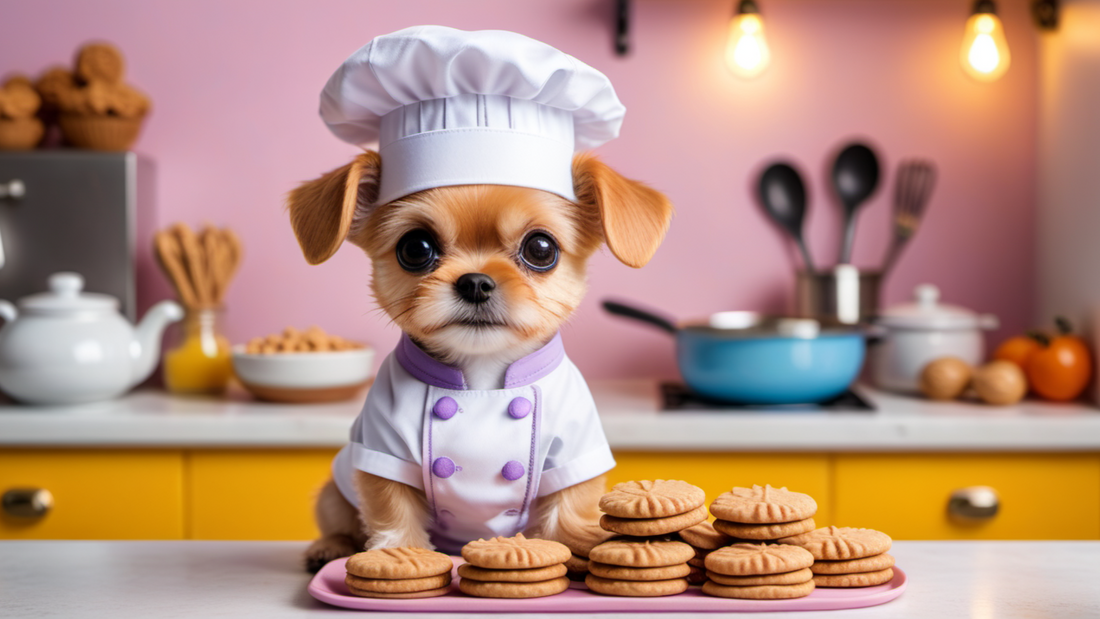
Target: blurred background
{"x": 234, "y": 126}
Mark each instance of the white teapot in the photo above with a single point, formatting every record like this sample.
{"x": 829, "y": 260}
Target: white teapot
{"x": 69, "y": 347}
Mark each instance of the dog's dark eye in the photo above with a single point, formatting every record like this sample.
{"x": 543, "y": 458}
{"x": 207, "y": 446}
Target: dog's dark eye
{"x": 417, "y": 251}
{"x": 539, "y": 252}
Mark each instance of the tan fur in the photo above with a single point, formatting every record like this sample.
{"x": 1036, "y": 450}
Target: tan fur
{"x": 479, "y": 229}
{"x": 635, "y": 217}
{"x": 321, "y": 210}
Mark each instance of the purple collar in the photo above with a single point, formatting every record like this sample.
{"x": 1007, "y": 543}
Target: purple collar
{"x": 438, "y": 374}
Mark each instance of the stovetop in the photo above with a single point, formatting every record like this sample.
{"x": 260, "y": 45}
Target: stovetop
{"x": 677, "y": 397}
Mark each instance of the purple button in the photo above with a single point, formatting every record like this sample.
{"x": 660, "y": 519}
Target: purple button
{"x": 511, "y": 471}
{"x": 519, "y": 408}
{"x": 445, "y": 407}
{"x": 445, "y": 467}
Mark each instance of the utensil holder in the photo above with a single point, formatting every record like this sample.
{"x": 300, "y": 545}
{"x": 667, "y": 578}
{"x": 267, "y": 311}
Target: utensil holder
{"x": 844, "y": 295}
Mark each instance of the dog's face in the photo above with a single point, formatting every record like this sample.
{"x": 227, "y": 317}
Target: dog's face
{"x": 479, "y": 269}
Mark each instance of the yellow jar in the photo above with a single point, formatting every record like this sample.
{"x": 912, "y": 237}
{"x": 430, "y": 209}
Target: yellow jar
{"x": 200, "y": 362}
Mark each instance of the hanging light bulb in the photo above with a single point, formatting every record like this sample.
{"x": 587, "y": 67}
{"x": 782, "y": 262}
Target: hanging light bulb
{"x": 984, "y": 50}
{"x": 747, "y": 52}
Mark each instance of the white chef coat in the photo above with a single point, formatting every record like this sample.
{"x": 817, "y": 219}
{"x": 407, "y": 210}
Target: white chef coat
{"x": 480, "y": 456}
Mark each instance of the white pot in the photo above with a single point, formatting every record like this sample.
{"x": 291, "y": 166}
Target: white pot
{"x": 914, "y": 334}
{"x": 66, "y": 346}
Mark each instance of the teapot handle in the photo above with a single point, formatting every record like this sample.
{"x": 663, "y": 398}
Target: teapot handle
{"x": 7, "y": 311}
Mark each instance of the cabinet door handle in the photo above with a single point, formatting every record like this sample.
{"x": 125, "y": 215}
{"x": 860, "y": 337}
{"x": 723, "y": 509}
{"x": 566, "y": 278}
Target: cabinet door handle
{"x": 974, "y": 504}
{"x": 13, "y": 189}
{"x": 31, "y": 503}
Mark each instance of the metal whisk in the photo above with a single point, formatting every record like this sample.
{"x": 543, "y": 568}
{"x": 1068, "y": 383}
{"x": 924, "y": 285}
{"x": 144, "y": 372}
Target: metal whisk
{"x": 912, "y": 188}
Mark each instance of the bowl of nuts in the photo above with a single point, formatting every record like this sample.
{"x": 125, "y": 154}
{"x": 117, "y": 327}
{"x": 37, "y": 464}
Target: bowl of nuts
{"x": 303, "y": 366}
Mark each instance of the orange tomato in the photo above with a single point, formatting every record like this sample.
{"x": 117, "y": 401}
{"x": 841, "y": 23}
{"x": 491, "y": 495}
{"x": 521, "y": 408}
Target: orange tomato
{"x": 1017, "y": 350}
{"x": 1061, "y": 369}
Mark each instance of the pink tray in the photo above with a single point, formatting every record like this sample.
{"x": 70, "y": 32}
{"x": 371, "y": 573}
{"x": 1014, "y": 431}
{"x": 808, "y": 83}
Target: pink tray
{"x": 328, "y": 586}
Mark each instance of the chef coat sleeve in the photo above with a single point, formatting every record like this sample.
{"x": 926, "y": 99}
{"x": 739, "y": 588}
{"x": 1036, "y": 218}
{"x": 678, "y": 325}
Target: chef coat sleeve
{"x": 578, "y": 449}
{"x": 385, "y": 439}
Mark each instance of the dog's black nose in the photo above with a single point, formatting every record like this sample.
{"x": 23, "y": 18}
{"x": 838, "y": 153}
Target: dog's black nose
{"x": 475, "y": 287}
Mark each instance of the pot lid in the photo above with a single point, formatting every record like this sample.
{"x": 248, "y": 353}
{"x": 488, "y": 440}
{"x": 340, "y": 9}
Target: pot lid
{"x": 926, "y": 312}
{"x": 65, "y": 296}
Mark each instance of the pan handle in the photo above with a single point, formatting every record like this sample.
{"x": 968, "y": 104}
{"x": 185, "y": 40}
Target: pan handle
{"x": 628, "y": 311}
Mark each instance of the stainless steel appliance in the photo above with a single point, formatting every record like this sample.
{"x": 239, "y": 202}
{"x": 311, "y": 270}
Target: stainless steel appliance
{"x": 74, "y": 210}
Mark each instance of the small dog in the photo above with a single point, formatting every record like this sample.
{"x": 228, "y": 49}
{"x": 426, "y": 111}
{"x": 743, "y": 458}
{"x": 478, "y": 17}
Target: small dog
{"x": 478, "y": 276}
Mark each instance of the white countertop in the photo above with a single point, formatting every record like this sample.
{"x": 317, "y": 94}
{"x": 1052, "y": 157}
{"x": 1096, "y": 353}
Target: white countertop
{"x": 117, "y": 580}
{"x": 629, "y": 410}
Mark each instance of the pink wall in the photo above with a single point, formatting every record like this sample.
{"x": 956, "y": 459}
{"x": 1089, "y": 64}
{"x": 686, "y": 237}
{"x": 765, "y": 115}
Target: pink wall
{"x": 234, "y": 127}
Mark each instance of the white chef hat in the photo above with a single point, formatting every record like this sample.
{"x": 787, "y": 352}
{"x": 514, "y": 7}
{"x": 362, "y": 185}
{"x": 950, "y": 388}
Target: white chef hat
{"x": 450, "y": 107}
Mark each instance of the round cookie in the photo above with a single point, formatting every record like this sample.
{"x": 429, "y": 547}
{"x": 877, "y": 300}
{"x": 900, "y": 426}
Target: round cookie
{"x": 537, "y": 574}
{"x": 759, "y": 592}
{"x": 398, "y": 563}
{"x": 841, "y": 543}
{"x": 641, "y": 553}
{"x": 431, "y": 593}
{"x": 757, "y": 559}
{"x": 764, "y": 531}
{"x": 786, "y": 578}
{"x": 407, "y": 585}
{"x": 705, "y": 537}
{"x": 514, "y": 553}
{"x": 618, "y": 572}
{"x": 652, "y": 499}
{"x": 763, "y": 505}
{"x": 582, "y": 541}
{"x": 642, "y": 527}
{"x": 854, "y": 566}
{"x": 513, "y": 590}
{"x": 636, "y": 588}
{"x": 866, "y": 579}
{"x": 577, "y": 564}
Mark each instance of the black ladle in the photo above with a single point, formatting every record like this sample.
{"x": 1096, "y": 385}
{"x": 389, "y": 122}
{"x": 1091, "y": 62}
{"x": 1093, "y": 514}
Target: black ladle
{"x": 783, "y": 197}
{"x": 855, "y": 177}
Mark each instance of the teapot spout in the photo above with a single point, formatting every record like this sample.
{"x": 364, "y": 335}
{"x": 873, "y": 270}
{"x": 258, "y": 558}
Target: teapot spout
{"x": 145, "y": 349}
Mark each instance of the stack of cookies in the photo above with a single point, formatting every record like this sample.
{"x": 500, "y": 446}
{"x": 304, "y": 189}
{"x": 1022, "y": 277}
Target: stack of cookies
{"x": 847, "y": 557}
{"x": 652, "y": 508}
{"x": 637, "y": 567}
{"x": 513, "y": 567}
{"x": 763, "y": 513}
{"x": 759, "y": 572}
{"x": 399, "y": 573}
{"x": 704, "y": 539}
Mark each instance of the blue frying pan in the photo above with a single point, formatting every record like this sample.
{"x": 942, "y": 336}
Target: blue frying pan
{"x": 747, "y": 358}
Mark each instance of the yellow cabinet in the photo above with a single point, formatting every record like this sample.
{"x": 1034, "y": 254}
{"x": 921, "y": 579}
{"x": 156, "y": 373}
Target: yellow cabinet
{"x": 716, "y": 473}
{"x": 1042, "y": 496}
{"x": 254, "y": 494}
{"x": 97, "y": 494}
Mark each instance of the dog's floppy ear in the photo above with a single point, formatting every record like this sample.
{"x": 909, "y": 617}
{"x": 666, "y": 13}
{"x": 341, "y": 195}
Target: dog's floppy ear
{"x": 635, "y": 217}
{"x": 322, "y": 210}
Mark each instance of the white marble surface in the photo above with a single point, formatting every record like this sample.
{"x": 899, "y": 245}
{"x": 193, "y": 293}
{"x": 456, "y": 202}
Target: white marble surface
{"x": 629, "y": 411}
{"x": 118, "y": 580}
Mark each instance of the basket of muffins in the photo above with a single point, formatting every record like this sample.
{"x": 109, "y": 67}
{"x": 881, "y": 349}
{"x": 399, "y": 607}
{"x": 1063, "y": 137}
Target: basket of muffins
{"x": 89, "y": 105}
{"x": 763, "y": 545}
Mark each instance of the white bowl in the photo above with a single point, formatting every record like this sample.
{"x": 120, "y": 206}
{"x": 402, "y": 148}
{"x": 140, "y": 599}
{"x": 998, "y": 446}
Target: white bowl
{"x": 304, "y": 376}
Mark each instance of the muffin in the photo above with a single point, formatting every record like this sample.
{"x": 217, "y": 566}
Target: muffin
{"x": 97, "y": 109}
{"x": 20, "y": 128}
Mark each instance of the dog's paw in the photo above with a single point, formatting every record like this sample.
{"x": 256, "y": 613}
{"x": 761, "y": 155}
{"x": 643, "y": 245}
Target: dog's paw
{"x": 400, "y": 539}
{"x": 327, "y": 548}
